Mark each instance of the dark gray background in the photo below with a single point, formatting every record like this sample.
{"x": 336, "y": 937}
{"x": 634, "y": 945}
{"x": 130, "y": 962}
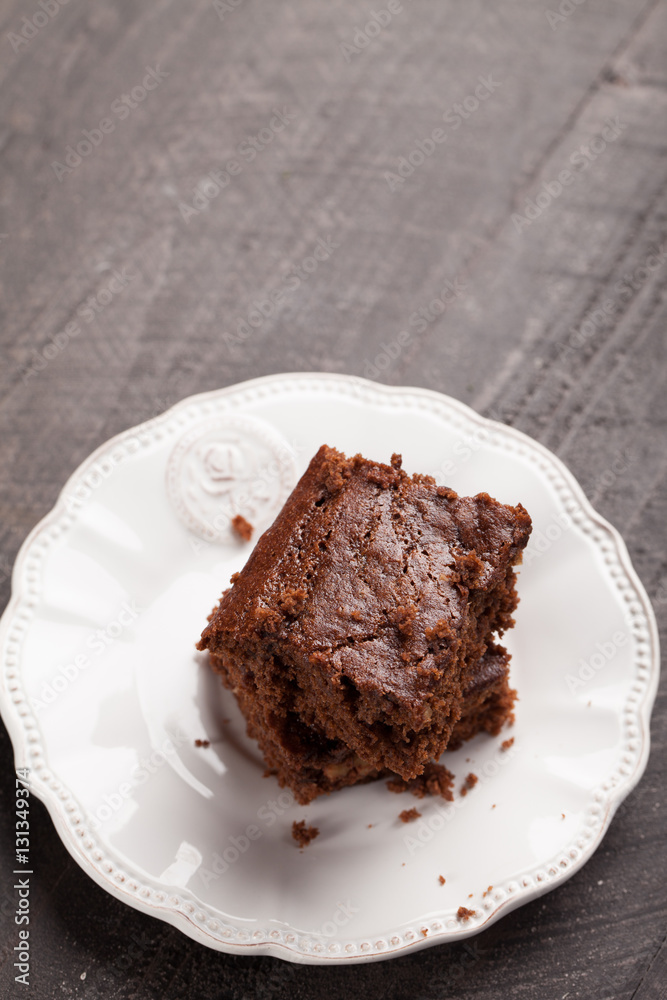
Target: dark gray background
{"x": 512, "y": 345}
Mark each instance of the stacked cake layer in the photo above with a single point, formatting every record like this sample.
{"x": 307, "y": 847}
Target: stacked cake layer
{"x": 359, "y": 639}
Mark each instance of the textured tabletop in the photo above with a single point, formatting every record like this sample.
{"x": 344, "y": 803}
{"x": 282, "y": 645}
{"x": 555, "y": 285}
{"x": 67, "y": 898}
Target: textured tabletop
{"x": 456, "y": 194}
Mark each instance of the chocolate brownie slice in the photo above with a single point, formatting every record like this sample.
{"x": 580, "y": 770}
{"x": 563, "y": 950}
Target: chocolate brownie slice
{"x": 362, "y": 614}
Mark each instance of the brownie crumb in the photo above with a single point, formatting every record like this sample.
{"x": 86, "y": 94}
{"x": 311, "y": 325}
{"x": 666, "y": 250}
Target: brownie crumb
{"x": 424, "y": 931}
{"x": 470, "y": 782}
{"x": 403, "y": 618}
{"x": 441, "y": 879}
{"x": 435, "y": 780}
{"x": 487, "y": 891}
{"x": 292, "y": 601}
{"x": 506, "y": 744}
{"x": 303, "y": 834}
{"x": 409, "y": 815}
{"x": 396, "y": 461}
{"x": 202, "y": 743}
{"x": 463, "y": 913}
{"x": 242, "y": 527}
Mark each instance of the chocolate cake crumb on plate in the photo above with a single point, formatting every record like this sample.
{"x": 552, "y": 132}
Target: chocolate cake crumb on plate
{"x": 463, "y": 913}
{"x": 469, "y": 783}
{"x": 303, "y": 834}
{"x": 409, "y": 815}
{"x": 243, "y": 528}
{"x": 435, "y": 780}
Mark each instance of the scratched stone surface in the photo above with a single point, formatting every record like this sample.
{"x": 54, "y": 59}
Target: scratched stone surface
{"x": 486, "y": 186}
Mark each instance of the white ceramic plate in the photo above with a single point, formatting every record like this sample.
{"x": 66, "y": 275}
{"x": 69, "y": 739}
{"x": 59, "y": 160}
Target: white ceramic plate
{"x": 104, "y": 695}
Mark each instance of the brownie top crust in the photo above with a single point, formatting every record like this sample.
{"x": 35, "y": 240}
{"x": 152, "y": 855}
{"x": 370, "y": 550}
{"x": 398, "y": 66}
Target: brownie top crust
{"x": 365, "y": 582}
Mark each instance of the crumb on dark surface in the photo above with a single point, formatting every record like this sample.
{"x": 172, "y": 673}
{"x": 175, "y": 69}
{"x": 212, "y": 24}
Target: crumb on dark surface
{"x": 303, "y": 834}
{"x": 409, "y": 815}
{"x": 441, "y": 879}
{"x": 506, "y": 744}
{"x": 469, "y": 783}
{"x": 242, "y": 527}
{"x": 463, "y": 913}
{"x": 435, "y": 780}
{"x": 202, "y": 743}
